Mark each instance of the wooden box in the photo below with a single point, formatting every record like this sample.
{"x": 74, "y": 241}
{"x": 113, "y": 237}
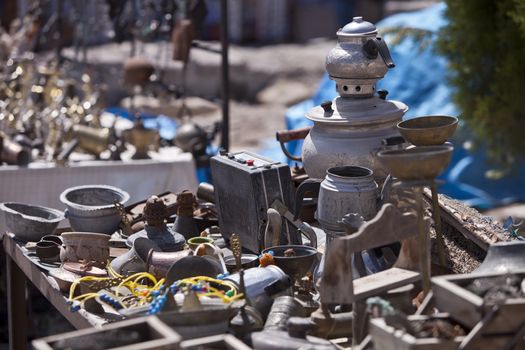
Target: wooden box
{"x": 145, "y": 333}
{"x": 468, "y": 308}
{"x": 215, "y": 342}
{"x": 387, "y": 337}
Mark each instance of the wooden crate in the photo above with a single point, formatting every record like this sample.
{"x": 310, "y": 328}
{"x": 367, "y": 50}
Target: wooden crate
{"x": 145, "y": 333}
{"x": 387, "y": 337}
{"x": 468, "y": 308}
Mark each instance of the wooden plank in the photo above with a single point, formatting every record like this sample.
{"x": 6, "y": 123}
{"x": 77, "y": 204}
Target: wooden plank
{"x": 80, "y": 319}
{"x": 17, "y": 307}
{"x": 473, "y": 225}
{"x": 376, "y": 283}
{"x": 388, "y": 226}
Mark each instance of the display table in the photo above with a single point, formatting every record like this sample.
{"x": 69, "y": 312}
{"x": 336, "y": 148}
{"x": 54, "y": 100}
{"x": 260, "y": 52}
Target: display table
{"x": 20, "y": 269}
{"x": 42, "y": 183}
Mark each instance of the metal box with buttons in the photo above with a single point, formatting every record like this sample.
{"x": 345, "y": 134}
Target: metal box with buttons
{"x": 246, "y": 185}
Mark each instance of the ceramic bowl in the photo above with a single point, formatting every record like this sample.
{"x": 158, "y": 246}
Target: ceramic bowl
{"x": 86, "y": 246}
{"x": 194, "y": 242}
{"x": 53, "y": 238}
{"x": 91, "y": 208}
{"x": 47, "y": 251}
{"x": 30, "y": 222}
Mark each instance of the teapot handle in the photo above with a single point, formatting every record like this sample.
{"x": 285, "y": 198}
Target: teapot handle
{"x": 284, "y": 136}
{"x": 308, "y": 185}
{"x": 376, "y": 45}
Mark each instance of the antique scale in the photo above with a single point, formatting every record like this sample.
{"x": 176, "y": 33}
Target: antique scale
{"x": 351, "y": 129}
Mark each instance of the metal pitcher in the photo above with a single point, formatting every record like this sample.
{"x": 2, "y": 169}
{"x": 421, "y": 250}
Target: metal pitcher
{"x": 344, "y": 190}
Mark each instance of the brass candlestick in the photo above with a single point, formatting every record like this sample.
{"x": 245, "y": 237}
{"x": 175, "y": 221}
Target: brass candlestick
{"x": 236, "y": 248}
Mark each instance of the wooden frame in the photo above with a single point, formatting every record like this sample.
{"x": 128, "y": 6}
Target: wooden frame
{"x": 468, "y": 308}
{"x": 162, "y": 336}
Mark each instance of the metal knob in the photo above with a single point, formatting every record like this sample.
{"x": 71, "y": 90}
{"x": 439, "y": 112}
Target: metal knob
{"x": 327, "y": 106}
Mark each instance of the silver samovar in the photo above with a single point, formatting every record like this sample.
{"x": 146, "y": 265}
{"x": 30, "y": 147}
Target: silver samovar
{"x": 351, "y": 129}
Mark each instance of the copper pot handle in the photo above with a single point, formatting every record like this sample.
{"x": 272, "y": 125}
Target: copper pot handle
{"x": 284, "y": 136}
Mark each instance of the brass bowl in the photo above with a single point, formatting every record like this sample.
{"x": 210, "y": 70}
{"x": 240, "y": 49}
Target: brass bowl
{"x": 143, "y": 140}
{"x": 429, "y": 130}
{"x": 417, "y": 163}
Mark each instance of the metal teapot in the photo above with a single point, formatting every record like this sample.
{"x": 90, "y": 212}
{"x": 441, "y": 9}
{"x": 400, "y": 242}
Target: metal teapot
{"x": 359, "y": 59}
{"x": 350, "y": 129}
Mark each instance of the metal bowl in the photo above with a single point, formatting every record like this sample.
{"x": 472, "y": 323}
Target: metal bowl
{"x": 417, "y": 163}
{"x": 428, "y": 130}
{"x": 247, "y": 261}
{"x": 30, "y": 222}
{"x": 91, "y": 208}
{"x": 294, "y": 266}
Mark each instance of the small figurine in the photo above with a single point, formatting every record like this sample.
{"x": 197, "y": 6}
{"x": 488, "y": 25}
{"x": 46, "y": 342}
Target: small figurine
{"x": 156, "y": 229}
{"x": 185, "y": 223}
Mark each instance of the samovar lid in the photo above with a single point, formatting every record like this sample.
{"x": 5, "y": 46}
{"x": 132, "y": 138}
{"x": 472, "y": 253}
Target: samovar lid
{"x": 358, "y": 27}
{"x": 357, "y": 111}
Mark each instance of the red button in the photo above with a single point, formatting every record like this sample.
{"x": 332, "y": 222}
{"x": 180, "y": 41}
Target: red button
{"x": 249, "y": 162}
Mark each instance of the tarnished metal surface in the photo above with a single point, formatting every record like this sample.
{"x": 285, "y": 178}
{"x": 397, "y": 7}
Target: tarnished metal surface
{"x": 261, "y": 284}
{"x": 90, "y": 139}
{"x": 295, "y": 260}
{"x": 344, "y": 190}
{"x": 418, "y": 163}
{"x": 503, "y": 257}
{"x": 13, "y": 153}
{"x": 91, "y": 208}
{"x": 282, "y": 309}
{"x": 142, "y": 139}
{"x": 30, "y": 222}
{"x": 351, "y": 129}
{"x": 428, "y": 130}
{"x": 358, "y": 56}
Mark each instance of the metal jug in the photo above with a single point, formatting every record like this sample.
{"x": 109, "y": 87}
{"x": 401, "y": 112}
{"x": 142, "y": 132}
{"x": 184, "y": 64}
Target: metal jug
{"x": 344, "y": 190}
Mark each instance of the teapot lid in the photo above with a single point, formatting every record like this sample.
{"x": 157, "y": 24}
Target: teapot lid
{"x": 358, "y": 112}
{"x": 357, "y": 27}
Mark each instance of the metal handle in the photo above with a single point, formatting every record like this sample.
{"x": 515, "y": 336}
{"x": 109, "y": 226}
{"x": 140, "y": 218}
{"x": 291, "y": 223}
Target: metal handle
{"x": 308, "y": 185}
{"x": 284, "y": 136}
{"x": 384, "y": 52}
{"x": 375, "y": 46}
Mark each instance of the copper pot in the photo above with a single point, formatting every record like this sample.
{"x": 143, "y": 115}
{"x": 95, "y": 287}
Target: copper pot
{"x": 158, "y": 263}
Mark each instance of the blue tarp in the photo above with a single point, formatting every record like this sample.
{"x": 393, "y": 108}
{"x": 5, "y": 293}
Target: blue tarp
{"x": 420, "y": 81}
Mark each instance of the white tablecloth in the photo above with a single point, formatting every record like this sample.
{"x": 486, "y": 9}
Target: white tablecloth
{"x": 41, "y": 184}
